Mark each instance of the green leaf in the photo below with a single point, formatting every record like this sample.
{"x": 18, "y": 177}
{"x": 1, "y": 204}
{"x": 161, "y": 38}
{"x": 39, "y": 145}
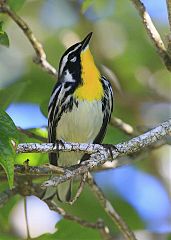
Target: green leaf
{"x": 5, "y": 225}
{"x": 4, "y": 40}
{"x": 86, "y": 4}
{"x": 16, "y": 4}
{"x": 7, "y": 236}
{"x": 8, "y": 134}
{"x": 76, "y": 231}
{"x": 169, "y": 237}
{"x": 99, "y": 5}
{"x": 12, "y": 93}
{"x": 71, "y": 230}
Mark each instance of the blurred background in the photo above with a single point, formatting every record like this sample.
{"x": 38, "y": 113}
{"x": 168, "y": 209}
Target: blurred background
{"x": 141, "y": 192}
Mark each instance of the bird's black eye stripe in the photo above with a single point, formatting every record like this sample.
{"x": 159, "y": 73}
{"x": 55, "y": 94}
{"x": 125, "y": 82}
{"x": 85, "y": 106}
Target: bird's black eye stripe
{"x": 67, "y": 84}
{"x": 71, "y": 56}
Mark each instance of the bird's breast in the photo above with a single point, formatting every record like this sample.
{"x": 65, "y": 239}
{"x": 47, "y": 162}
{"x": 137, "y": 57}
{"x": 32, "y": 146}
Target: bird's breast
{"x": 82, "y": 123}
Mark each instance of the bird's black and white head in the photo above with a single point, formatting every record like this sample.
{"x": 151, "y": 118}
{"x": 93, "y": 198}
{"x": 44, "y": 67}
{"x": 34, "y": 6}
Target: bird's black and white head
{"x": 74, "y": 60}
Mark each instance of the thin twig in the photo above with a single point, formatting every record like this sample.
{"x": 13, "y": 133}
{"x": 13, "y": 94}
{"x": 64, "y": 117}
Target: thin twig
{"x": 104, "y": 230}
{"x": 98, "y": 225}
{"x": 48, "y": 169}
{"x": 109, "y": 209}
{"x": 169, "y": 12}
{"x": 100, "y": 153}
{"x": 80, "y": 189}
{"x": 44, "y": 170}
{"x": 103, "y": 154}
{"x": 100, "y": 157}
{"x": 131, "y": 146}
{"x": 32, "y": 135}
{"x": 153, "y": 33}
{"x": 169, "y": 18}
{"x": 26, "y": 217}
{"x": 40, "y": 54}
{"x": 125, "y": 127}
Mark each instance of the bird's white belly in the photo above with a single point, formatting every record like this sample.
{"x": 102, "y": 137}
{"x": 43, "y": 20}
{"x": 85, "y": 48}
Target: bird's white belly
{"x": 82, "y": 125}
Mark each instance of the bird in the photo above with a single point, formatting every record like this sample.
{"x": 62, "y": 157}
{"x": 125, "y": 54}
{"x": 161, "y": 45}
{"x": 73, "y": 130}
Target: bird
{"x": 79, "y": 109}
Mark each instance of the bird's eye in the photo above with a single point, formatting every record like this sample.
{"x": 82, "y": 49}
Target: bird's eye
{"x": 73, "y": 59}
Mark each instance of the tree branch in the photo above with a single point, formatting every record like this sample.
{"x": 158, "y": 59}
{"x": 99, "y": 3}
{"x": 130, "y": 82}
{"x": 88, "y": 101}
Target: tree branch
{"x": 115, "y": 122}
{"x": 99, "y": 224}
{"x": 153, "y": 33}
{"x": 48, "y": 169}
{"x": 99, "y": 153}
{"x": 104, "y": 230}
{"x": 123, "y": 126}
{"x": 109, "y": 209}
{"x": 169, "y": 12}
{"x": 40, "y": 54}
{"x": 32, "y": 135}
{"x": 45, "y": 170}
{"x": 169, "y": 18}
{"x": 80, "y": 188}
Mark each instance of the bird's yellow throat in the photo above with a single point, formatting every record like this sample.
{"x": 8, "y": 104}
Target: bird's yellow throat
{"x": 91, "y": 89}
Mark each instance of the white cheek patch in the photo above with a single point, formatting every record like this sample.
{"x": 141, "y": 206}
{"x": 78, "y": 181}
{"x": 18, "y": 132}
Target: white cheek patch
{"x": 68, "y": 77}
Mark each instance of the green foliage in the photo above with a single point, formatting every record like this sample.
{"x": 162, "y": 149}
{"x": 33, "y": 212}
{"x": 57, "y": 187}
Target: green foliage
{"x": 97, "y": 5}
{"x": 34, "y": 86}
{"x": 8, "y": 134}
{"x": 87, "y": 207}
{"x": 4, "y": 40}
{"x": 169, "y": 237}
{"x": 35, "y": 159}
{"x": 4, "y": 236}
{"x": 15, "y": 4}
{"x": 44, "y": 107}
{"x": 74, "y": 231}
{"x": 12, "y": 93}
{"x": 86, "y": 4}
{"x": 4, "y": 216}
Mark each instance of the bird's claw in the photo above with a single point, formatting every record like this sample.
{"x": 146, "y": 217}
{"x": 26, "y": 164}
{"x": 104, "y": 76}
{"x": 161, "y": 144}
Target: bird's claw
{"x": 59, "y": 142}
{"x": 111, "y": 147}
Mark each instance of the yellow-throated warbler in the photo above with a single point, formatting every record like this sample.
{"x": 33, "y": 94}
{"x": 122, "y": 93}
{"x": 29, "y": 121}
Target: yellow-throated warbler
{"x": 79, "y": 109}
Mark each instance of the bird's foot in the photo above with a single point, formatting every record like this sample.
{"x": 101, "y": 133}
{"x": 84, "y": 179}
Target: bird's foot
{"x": 59, "y": 142}
{"x": 111, "y": 147}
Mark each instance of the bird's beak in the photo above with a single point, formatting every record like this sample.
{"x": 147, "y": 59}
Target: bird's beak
{"x": 85, "y": 42}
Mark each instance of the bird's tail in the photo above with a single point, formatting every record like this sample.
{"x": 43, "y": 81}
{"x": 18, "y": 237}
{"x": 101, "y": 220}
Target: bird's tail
{"x": 62, "y": 192}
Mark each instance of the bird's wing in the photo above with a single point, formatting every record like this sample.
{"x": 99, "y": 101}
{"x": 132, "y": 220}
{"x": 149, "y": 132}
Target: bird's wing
{"x": 53, "y": 112}
{"x": 107, "y": 108}
{"x": 61, "y": 101}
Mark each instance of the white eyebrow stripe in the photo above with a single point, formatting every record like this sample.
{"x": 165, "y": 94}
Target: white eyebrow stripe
{"x": 65, "y": 59}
